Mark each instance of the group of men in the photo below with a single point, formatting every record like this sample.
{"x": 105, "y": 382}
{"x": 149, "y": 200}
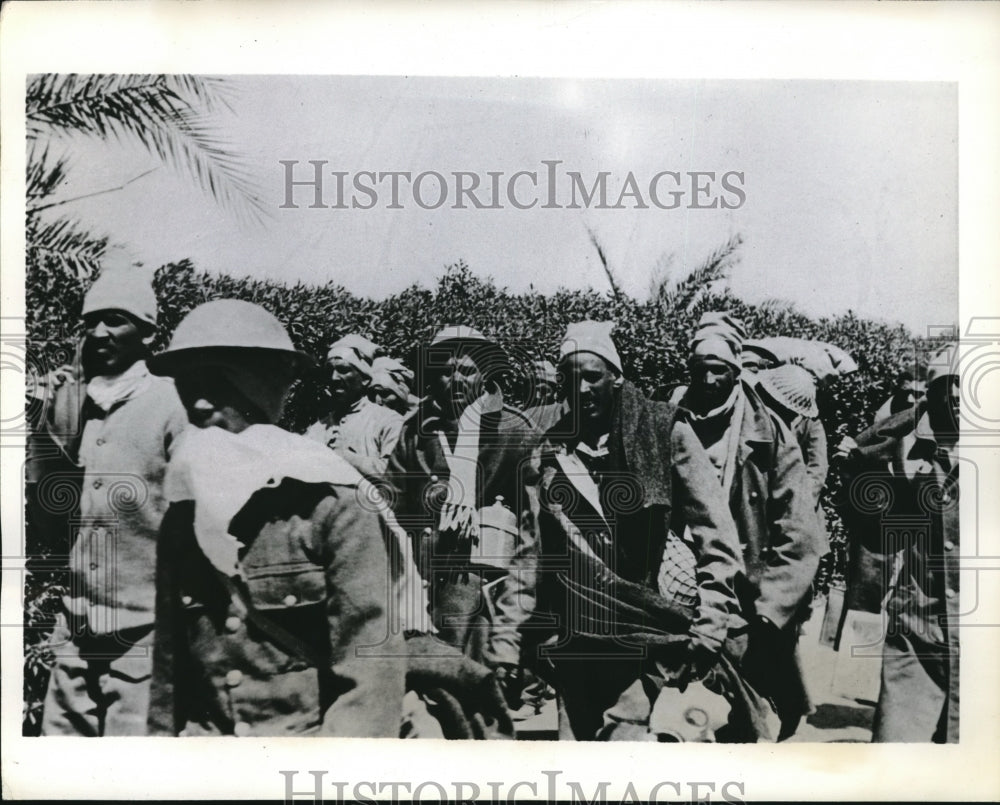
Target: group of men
{"x": 409, "y": 564}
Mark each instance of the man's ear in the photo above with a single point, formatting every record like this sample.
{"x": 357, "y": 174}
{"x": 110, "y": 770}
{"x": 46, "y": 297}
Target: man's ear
{"x": 619, "y": 380}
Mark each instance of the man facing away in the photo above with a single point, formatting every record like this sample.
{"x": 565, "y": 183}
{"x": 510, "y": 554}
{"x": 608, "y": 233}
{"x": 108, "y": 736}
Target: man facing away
{"x": 761, "y": 471}
{"x": 274, "y": 584}
{"x": 118, "y": 424}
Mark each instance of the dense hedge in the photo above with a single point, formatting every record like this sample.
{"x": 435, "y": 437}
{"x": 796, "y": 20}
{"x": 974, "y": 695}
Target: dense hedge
{"x": 652, "y": 337}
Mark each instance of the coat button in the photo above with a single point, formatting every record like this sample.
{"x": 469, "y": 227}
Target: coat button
{"x": 93, "y": 565}
{"x": 290, "y": 600}
{"x": 234, "y": 677}
{"x": 949, "y": 545}
{"x": 434, "y": 479}
{"x": 950, "y": 593}
{"x": 100, "y": 442}
{"x": 98, "y": 483}
{"x": 241, "y": 729}
{"x": 186, "y": 600}
{"x": 233, "y": 624}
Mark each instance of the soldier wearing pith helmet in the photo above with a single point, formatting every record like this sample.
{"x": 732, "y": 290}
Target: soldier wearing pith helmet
{"x": 272, "y": 576}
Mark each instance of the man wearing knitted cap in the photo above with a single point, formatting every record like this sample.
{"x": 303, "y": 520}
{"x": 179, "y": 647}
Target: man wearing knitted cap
{"x": 901, "y": 494}
{"x": 117, "y": 424}
{"x": 761, "y": 470}
{"x": 638, "y": 607}
{"x": 361, "y": 431}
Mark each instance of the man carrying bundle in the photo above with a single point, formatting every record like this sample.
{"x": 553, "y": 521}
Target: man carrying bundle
{"x": 639, "y": 608}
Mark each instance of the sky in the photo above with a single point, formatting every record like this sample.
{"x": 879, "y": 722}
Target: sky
{"x": 850, "y": 187}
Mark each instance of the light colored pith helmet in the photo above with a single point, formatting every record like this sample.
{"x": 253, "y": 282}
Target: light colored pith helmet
{"x": 224, "y": 325}
{"x": 792, "y": 386}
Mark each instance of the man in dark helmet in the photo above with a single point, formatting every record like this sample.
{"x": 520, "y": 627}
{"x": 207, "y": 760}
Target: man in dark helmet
{"x": 461, "y": 480}
{"x": 274, "y": 588}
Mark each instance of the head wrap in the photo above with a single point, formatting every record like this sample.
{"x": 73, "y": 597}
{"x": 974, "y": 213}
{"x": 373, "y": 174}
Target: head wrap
{"x": 719, "y": 335}
{"x": 355, "y": 350}
{"x": 594, "y": 337}
{"x": 122, "y": 285}
{"x": 391, "y": 374}
{"x": 943, "y": 363}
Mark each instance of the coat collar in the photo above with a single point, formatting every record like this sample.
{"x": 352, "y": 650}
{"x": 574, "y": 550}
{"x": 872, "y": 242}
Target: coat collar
{"x": 757, "y": 428}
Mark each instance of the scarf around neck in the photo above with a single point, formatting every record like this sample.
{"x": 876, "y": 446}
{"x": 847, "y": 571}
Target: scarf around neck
{"x": 108, "y": 390}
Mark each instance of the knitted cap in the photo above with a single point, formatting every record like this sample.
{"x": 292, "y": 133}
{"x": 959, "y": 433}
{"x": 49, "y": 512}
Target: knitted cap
{"x": 591, "y": 336}
{"x": 719, "y": 335}
{"x": 792, "y": 386}
{"x": 122, "y": 285}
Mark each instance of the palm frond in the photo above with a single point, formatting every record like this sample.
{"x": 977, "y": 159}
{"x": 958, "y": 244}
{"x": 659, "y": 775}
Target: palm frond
{"x": 62, "y": 242}
{"x": 168, "y": 115}
{"x": 715, "y": 268}
{"x": 776, "y": 306}
{"x": 612, "y": 280}
{"x": 44, "y": 172}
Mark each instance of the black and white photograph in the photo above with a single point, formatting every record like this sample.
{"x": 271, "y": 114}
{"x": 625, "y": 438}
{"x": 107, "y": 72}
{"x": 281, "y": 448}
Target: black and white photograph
{"x": 496, "y": 408}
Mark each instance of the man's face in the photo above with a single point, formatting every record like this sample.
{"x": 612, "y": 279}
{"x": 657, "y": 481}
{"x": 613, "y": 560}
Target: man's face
{"x": 456, "y": 384}
{"x": 712, "y": 381}
{"x": 383, "y": 395}
{"x": 347, "y": 384}
{"x": 589, "y": 389}
{"x": 943, "y": 405}
{"x": 113, "y": 341}
{"x": 211, "y": 401}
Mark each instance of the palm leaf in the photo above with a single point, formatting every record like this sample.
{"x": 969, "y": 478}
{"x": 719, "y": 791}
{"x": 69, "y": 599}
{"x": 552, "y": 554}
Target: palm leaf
{"x": 44, "y": 172}
{"x": 73, "y": 250}
{"x": 716, "y": 268}
{"x": 168, "y": 115}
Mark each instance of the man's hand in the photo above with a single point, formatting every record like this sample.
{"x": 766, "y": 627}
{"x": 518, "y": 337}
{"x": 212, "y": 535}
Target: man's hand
{"x": 698, "y": 661}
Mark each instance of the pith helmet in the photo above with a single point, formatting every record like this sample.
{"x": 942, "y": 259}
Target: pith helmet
{"x": 221, "y": 327}
{"x": 491, "y": 358}
{"x": 791, "y": 386}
